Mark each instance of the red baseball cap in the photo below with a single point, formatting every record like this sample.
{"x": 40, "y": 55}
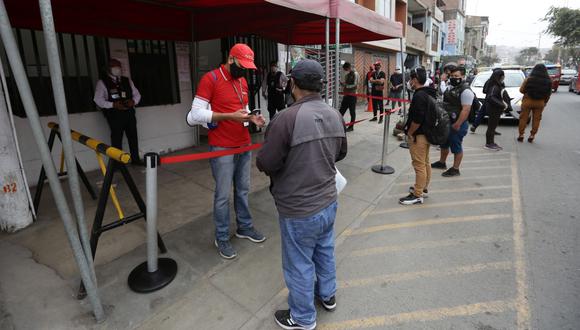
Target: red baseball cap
{"x": 377, "y": 63}
{"x": 244, "y": 54}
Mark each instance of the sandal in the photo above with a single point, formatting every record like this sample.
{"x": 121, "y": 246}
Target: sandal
{"x": 531, "y": 139}
{"x": 521, "y": 138}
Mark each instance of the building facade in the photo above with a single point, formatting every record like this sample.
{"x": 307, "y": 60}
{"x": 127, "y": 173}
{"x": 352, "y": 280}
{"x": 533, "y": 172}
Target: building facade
{"x": 476, "y": 30}
{"x": 454, "y": 16}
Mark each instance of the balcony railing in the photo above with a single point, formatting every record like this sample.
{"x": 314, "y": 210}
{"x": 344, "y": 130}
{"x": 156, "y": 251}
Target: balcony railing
{"x": 415, "y": 38}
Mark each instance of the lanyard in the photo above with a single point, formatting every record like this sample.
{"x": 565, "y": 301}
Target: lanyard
{"x": 238, "y": 93}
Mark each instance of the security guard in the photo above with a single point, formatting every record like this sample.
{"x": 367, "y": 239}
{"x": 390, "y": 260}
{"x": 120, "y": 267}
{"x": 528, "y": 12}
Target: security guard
{"x": 117, "y": 96}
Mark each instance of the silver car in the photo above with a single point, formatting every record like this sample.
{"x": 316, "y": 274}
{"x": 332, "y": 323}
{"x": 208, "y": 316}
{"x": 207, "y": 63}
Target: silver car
{"x": 567, "y": 76}
{"x": 513, "y": 81}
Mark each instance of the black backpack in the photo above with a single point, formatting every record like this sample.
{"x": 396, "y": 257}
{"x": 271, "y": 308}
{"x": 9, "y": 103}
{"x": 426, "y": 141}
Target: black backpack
{"x": 437, "y": 123}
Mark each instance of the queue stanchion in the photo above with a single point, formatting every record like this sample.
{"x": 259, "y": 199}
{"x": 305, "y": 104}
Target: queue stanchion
{"x": 155, "y": 273}
{"x": 382, "y": 168}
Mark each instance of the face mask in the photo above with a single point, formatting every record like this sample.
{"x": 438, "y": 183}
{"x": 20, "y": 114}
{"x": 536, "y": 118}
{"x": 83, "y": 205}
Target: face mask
{"x": 455, "y": 81}
{"x": 116, "y": 71}
{"x": 236, "y": 71}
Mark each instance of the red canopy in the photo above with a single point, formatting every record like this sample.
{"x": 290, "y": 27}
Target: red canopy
{"x": 286, "y": 21}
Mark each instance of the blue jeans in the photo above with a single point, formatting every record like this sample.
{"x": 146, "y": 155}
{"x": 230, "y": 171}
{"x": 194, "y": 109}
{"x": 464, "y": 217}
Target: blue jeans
{"x": 455, "y": 139}
{"x": 227, "y": 170}
{"x": 308, "y": 261}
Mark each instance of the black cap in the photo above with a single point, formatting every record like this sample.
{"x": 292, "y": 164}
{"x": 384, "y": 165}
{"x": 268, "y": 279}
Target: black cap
{"x": 307, "y": 70}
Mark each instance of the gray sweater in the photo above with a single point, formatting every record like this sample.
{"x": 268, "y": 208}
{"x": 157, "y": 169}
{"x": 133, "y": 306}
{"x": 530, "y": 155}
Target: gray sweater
{"x": 301, "y": 145}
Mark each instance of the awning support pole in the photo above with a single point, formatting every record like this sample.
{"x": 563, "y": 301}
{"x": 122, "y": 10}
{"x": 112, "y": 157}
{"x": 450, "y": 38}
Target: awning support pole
{"x": 327, "y": 59}
{"x": 21, "y": 79}
{"x": 404, "y": 144}
{"x": 62, "y": 112}
{"x": 336, "y": 64}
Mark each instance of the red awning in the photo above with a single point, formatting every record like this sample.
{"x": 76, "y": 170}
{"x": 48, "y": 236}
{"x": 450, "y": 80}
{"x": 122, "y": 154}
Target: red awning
{"x": 286, "y": 21}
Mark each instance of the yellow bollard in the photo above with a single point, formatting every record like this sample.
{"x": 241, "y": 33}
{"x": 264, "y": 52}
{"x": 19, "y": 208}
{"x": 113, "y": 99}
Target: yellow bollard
{"x": 113, "y": 194}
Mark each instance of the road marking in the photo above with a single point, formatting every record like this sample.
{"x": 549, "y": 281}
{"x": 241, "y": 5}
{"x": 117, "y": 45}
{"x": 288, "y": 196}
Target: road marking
{"x": 400, "y": 277}
{"x": 522, "y": 304}
{"x": 484, "y": 167}
{"x": 480, "y": 177}
{"x": 455, "y": 190}
{"x": 402, "y": 208}
{"x": 498, "y": 306}
{"x": 476, "y": 154}
{"x": 484, "y": 161}
{"x": 429, "y": 245}
{"x": 426, "y": 222}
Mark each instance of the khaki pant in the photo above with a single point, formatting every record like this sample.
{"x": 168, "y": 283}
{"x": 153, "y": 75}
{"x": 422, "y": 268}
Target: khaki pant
{"x": 536, "y": 118}
{"x": 420, "y": 160}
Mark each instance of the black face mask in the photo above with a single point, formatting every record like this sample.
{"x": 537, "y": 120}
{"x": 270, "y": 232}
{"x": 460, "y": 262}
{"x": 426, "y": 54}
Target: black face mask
{"x": 455, "y": 81}
{"x": 236, "y": 71}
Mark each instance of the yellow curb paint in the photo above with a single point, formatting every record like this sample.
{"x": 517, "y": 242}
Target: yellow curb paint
{"x": 402, "y": 208}
{"x": 430, "y": 245}
{"x": 498, "y": 306}
{"x": 427, "y": 222}
{"x": 522, "y": 304}
{"x": 400, "y": 277}
{"x": 480, "y": 177}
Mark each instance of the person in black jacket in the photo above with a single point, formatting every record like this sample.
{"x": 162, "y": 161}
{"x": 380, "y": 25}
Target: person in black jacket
{"x": 496, "y": 102}
{"x": 418, "y": 143}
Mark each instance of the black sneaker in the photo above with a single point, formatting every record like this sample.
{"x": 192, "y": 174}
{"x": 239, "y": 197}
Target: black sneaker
{"x": 425, "y": 192}
{"x": 472, "y": 129}
{"x": 381, "y": 120}
{"x": 350, "y": 128}
{"x": 285, "y": 321}
{"x": 373, "y": 119}
{"x": 451, "y": 172}
{"x": 496, "y": 133}
{"x": 330, "y": 304}
{"x": 439, "y": 165}
{"x": 225, "y": 249}
{"x": 251, "y": 234}
{"x": 411, "y": 199}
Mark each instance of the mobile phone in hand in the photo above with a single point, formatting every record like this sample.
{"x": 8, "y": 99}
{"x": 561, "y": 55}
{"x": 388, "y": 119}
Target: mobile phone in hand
{"x": 255, "y": 112}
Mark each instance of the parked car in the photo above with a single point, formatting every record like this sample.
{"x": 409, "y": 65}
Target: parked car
{"x": 513, "y": 81}
{"x": 567, "y": 75}
{"x": 555, "y": 72}
{"x": 574, "y": 85}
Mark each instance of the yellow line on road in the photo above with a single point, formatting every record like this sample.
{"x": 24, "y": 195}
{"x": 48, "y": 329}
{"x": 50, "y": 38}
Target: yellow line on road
{"x": 456, "y": 190}
{"x": 484, "y": 167}
{"x": 430, "y": 245}
{"x": 485, "y": 160}
{"x": 426, "y": 222}
{"x": 400, "y": 277}
{"x": 402, "y": 208}
{"x": 498, "y": 306}
{"x": 522, "y": 304}
{"x": 465, "y": 178}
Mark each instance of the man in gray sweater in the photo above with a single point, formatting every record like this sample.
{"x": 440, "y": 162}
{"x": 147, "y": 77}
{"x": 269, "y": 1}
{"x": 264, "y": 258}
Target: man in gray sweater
{"x": 301, "y": 146}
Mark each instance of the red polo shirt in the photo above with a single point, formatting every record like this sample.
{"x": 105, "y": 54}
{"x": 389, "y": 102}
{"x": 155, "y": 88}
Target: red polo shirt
{"x": 225, "y": 95}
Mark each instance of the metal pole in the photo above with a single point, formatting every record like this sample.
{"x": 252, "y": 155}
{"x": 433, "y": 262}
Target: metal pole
{"x": 155, "y": 273}
{"x": 327, "y": 59}
{"x": 58, "y": 194}
{"x": 383, "y": 168}
{"x": 65, "y": 135}
{"x": 336, "y": 63}
{"x": 404, "y": 144}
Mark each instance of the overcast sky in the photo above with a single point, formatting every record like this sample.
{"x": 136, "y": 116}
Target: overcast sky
{"x": 516, "y": 22}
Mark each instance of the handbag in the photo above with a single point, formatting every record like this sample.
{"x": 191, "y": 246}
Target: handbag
{"x": 340, "y": 181}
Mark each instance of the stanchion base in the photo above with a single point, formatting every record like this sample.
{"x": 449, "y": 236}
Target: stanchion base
{"x": 404, "y": 145}
{"x": 142, "y": 281}
{"x": 383, "y": 169}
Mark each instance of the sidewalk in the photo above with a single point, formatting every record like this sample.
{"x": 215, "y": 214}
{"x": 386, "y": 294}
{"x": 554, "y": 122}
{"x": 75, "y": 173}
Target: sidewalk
{"x": 37, "y": 271}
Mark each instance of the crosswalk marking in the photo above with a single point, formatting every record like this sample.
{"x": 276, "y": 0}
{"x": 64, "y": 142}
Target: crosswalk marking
{"x": 426, "y": 222}
{"x": 401, "y": 208}
{"x": 465, "y": 178}
{"x": 423, "y": 274}
{"x": 498, "y": 306}
{"x": 485, "y": 160}
{"x": 430, "y": 245}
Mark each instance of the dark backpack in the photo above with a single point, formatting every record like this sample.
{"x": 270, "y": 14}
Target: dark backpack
{"x": 437, "y": 123}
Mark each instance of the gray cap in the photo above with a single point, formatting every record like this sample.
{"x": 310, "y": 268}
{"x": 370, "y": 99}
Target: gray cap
{"x": 307, "y": 69}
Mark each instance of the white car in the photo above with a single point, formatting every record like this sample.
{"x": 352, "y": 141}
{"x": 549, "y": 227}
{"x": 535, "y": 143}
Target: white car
{"x": 567, "y": 76}
{"x": 513, "y": 81}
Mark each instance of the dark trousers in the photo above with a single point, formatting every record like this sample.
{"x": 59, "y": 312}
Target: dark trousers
{"x": 492, "y": 122}
{"x": 377, "y": 103}
{"x": 348, "y": 102}
{"x": 123, "y": 121}
{"x": 479, "y": 116}
{"x": 275, "y": 104}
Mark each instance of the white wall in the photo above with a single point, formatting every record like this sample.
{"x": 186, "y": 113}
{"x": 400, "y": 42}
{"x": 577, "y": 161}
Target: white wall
{"x": 160, "y": 128}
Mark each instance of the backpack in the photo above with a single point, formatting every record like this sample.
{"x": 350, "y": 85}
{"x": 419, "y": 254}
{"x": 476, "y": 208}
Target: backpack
{"x": 437, "y": 122}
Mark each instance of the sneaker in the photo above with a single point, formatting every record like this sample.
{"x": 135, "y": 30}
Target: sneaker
{"x": 451, "y": 172}
{"x": 350, "y": 128}
{"x": 251, "y": 234}
{"x": 284, "y": 320}
{"x": 411, "y": 199}
{"x": 425, "y": 192}
{"x": 439, "y": 165}
{"x": 381, "y": 120}
{"x": 225, "y": 249}
{"x": 496, "y": 133}
{"x": 329, "y": 305}
{"x": 373, "y": 119}
{"x": 472, "y": 129}
{"x": 492, "y": 147}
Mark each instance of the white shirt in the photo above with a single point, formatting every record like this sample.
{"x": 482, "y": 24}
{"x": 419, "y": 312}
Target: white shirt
{"x": 102, "y": 94}
{"x": 428, "y": 82}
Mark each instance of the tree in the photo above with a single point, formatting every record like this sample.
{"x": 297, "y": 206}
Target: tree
{"x": 566, "y": 56}
{"x": 528, "y": 56}
{"x": 488, "y": 60}
{"x": 564, "y": 23}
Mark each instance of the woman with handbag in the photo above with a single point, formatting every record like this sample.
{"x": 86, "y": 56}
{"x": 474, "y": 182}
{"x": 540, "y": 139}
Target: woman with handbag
{"x": 496, "y": 102}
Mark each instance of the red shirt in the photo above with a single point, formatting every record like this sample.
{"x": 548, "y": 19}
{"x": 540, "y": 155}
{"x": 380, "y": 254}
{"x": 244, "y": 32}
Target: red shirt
{"x": 225, "y": 95}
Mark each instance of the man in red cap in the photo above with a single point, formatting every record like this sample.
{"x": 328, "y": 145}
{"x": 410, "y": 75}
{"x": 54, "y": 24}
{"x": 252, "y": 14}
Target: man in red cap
{"x": 221, "y": 105}
{"x": 378, "y": 85}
